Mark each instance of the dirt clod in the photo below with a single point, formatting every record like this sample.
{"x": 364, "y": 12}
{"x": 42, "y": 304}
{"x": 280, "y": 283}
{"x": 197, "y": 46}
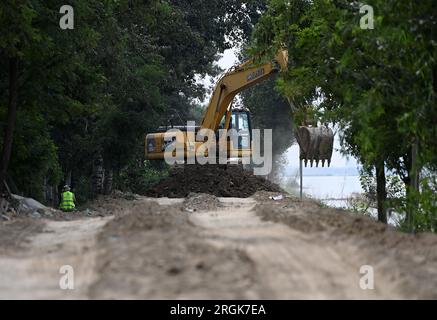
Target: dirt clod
{"x": 201, "y": 202}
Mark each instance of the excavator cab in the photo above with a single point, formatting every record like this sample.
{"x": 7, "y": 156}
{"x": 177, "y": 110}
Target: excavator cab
{"x": 238, "y": 119}
{"x": 241, "y": 122}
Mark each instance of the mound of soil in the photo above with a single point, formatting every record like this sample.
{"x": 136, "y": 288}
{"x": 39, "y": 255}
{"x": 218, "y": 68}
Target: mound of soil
{"x": 218, "y": 180}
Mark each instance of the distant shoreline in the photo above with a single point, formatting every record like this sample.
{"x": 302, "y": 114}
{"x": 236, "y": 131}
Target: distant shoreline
{"x": 323, "y": 171}
{"x": 330, "y": 175}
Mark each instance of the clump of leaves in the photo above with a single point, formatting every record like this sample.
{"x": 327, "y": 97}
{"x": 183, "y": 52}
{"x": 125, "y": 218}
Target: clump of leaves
{"x": 138, "y": 178}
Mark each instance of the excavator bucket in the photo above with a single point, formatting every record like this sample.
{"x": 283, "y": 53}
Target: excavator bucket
{"x": 316, "y": 144}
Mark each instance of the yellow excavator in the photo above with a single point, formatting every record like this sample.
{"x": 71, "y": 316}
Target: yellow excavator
{"x": 221, "y": 115}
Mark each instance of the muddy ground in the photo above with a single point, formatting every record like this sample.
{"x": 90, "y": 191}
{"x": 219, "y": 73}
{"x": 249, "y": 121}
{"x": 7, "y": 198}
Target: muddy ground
{"x": 214, "y": 248}
{"x": 218, "y": 180}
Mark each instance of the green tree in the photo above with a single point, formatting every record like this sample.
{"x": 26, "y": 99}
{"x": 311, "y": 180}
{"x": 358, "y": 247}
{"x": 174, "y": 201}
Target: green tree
{"x": 377, "y": 85}
{"x": 16, "y": 25}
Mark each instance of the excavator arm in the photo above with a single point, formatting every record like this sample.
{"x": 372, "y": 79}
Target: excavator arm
{"x": 236, "y": 80}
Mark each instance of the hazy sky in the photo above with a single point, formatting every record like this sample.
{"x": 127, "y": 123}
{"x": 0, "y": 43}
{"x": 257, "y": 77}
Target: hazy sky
{"x": 228, "y": 59}
{"x": 338, "y": 161}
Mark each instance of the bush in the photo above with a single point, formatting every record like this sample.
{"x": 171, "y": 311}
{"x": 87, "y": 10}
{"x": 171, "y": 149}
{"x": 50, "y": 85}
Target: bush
{"x": 423, "y": 206}
{"x": 140, "y": 176}
{"x": 395, "y": 188}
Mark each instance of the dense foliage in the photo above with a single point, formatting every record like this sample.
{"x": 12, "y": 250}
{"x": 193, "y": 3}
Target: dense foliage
{"x": 379, "y": 85}
{"x": 85, "y": 97}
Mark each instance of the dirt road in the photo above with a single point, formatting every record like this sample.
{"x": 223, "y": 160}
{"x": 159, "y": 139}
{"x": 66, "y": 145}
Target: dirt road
{"x": 215, "y": 248}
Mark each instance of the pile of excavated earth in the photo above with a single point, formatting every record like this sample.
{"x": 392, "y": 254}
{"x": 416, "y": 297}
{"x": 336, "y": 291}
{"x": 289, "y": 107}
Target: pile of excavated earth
{"x": 217, "y": 180}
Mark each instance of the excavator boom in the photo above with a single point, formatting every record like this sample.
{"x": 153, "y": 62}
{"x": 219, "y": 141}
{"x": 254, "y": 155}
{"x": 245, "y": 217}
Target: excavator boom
{"x": 236, "y": 80}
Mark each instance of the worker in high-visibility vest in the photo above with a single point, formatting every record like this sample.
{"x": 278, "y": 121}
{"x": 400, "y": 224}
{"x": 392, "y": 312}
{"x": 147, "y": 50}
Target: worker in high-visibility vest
{"x": 67, "y": 200}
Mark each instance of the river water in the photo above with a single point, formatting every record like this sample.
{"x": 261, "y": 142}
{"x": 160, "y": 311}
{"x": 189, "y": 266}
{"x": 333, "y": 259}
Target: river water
{"x": 332, "y": 190}
{"x": 330, "y": 185}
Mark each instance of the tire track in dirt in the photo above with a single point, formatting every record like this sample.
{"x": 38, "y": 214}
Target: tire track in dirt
{"x": 289, "y": 264}
{"x": 33, "y": 271}
{"x": 152, "y": 251}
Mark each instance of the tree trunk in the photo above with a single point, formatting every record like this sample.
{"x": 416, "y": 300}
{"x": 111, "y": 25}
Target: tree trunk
{"x": 56, "y": 196}
{"x": 68, "y": 179}
{"x": 98, "y": 176}
{"x": 413, "y": 187}
{"x": 12, "y": 116}
{"x": 109, "y": 174}
{"x": 381, "y": 193}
